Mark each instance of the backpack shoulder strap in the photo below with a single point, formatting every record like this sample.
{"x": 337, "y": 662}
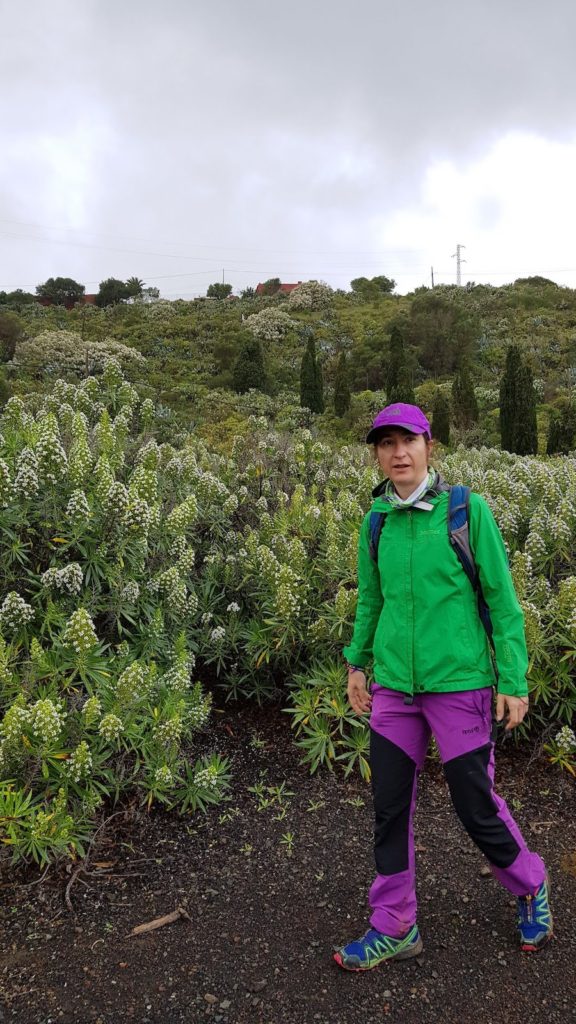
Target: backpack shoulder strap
{"x": 377, "y": 520}
{"x": 459, "y": 536}
{"x": 458, "y": 532}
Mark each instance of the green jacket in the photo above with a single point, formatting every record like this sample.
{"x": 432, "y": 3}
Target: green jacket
{"x": 417, "y": 614}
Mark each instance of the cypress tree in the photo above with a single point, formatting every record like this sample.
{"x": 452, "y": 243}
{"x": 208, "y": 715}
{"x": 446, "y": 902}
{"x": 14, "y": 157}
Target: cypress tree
{"x": 554, "y": 439}
{"x": 311, "y": 384}
{"x": 509, "y": 399}
{"x": 518, "y": 428}
{"x": 562, "y": 429}
{"x": 441, "y": 417}
{"x": 307, "y": 378}
{"x": 341, "y": 387}
{"x": 398, "y": 376}
{"x": 319, "y": 385}
{"x": 248, "y": 371}
{"x": 464, "y": 404}
{"x": 527, "y": 427}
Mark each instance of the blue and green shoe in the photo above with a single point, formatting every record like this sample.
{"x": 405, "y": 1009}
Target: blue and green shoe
{"x": 374, "y": 947}
{"x": 534, "y": 919}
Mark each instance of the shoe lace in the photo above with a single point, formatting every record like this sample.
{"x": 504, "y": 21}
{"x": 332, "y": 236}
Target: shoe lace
{"x": 526, "y": 910}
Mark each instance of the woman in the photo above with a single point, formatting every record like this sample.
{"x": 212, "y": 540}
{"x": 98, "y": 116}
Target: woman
{"x": 417, "y": 619}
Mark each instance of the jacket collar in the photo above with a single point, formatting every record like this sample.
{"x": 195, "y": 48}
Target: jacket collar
{"x": 438, "y": 487}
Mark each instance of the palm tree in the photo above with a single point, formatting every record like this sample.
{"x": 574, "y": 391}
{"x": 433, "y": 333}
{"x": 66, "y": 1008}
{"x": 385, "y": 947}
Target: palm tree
{"x": 134, "y": 286}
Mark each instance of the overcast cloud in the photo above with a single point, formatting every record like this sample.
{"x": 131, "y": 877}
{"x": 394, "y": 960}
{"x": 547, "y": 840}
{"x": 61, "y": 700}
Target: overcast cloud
{"x": 318, "y": 139}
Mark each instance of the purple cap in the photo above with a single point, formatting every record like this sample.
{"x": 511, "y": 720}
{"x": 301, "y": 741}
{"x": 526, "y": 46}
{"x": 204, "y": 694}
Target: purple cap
{"x": 407, "y": 417}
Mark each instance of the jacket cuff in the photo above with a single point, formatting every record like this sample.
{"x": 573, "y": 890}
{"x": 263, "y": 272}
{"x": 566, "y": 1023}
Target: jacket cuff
{"x": 511, "y": 689}
{"x": 351, "y": 655}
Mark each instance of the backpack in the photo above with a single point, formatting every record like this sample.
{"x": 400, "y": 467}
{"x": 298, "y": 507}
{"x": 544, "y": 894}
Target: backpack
{"x": 459, "y": 537}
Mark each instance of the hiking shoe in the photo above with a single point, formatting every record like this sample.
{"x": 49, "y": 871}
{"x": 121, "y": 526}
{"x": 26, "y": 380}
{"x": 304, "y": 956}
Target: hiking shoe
{"x": 374, "y": 947}
{"x": 535, "y": 919}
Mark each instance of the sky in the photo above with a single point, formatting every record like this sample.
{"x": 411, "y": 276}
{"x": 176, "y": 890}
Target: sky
{"x": 191, "y": 141}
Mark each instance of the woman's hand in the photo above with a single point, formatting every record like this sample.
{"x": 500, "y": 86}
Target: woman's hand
{"x": 360, "y": 699}
{"x": 516, "y": 707}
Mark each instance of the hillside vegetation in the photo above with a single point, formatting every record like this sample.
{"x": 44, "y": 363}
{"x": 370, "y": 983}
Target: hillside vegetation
{"x": 191, "y": 347}
{"x": 165, "y": 537}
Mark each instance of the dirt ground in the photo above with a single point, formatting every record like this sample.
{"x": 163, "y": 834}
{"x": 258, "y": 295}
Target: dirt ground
{"x": 271, "y": 880}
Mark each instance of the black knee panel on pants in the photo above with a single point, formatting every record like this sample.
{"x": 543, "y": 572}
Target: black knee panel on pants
{"x": 471, "y": 791}
{"x": 392, "y": 787}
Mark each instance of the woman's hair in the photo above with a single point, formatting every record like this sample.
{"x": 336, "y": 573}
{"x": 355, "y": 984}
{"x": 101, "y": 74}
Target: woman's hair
{"x": 428, "y": 440}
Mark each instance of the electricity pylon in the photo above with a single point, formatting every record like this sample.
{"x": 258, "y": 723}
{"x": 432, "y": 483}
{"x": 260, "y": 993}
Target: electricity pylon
{"x": 459, "y": 262}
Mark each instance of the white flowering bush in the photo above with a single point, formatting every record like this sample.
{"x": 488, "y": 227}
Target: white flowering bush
{"x": 270, "y": 324}
{"x": 311, "y": 295}
{"x": 99, "y": 613}
{"x": 130, "y": 564}
{"x": 57, "y": 352}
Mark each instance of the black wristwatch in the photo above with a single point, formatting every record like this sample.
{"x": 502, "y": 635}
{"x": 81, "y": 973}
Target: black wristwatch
{"x": 354, "y": 668}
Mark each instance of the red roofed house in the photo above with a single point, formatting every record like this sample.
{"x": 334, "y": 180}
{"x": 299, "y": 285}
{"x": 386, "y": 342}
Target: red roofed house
{"x": 283, "y": 289}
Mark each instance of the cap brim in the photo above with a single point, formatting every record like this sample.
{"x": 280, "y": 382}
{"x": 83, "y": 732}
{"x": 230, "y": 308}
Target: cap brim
{"x": 376, "y": 432}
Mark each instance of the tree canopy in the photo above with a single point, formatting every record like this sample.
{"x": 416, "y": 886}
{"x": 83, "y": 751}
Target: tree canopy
{"x": 134, "y": 287}
{"x": 518, "y": 426}
{"x": 16, "y": 298}
{"x": 398, "y": 376}
{"x": 369, "y": 288}
{"x": 11, "y": 332}
{"x": 561, "y": 437}
{"x": 311, "y": 384}
{"x": 464, "y": 404}
{"x": 442, "y": 331}
{"x": 341, "y": 387}
{"x": 111, "y": 291}
{"x": 441, "y": 417}
{"x": 62, "y": 291}
{"x": 219, "y": 290}
{"x": 249, "y": 371}
{"x": 536, "y": 282}
{"x": 271, "y": 286}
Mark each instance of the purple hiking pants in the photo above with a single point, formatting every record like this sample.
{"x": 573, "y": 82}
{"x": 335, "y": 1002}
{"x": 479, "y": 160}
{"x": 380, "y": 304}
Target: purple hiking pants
{"x": 399, "y": 735}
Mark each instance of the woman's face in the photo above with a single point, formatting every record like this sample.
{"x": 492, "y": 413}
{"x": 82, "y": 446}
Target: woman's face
{"x": 403, "y": 458}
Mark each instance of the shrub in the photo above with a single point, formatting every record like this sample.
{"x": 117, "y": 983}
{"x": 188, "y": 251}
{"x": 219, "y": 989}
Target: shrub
{"x": 270, "y": 324}
{"x": 11, "y": 332}
{"x": 130, "y": 563}
{"x": 63, "y": 352}
{"x": 248, "y": 371}
{"x": 97, "y": 615}
{"x": 311, "y": 295}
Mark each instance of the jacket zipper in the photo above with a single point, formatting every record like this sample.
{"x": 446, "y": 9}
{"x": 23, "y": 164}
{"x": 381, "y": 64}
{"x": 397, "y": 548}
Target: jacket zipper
{"x": 409, "y": 699}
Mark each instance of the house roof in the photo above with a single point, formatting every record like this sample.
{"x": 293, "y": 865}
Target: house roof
{"x": 285, "y": 288}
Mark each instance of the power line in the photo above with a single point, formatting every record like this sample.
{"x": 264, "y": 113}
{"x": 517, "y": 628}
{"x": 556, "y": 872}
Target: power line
{"x": 197, "y": 245}
{"x": 237, "y": 265}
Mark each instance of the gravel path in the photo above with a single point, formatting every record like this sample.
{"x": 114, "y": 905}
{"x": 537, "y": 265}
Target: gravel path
{"x": 271, "y": 880}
